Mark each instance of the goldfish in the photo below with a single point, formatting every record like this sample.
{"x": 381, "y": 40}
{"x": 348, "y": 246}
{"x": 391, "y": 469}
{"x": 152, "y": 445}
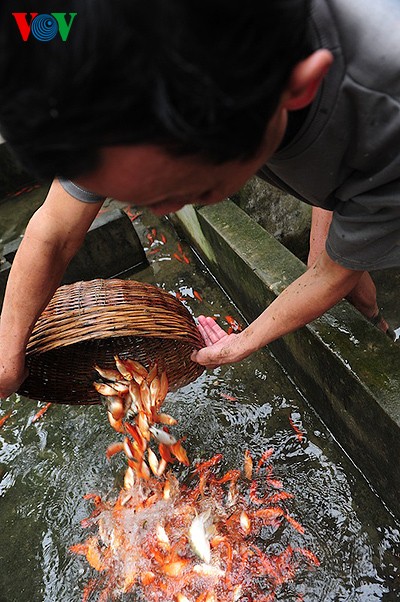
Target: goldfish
{"x": 198, "y": 540}
{"x": 4, "y": 419}
{"x": 42, "y": 411}
{"x": 297, "y": 430}
{"x": 245, "y": 522}
{"x": 105, "y": 389}
{"x": 162, "y": 436}
{"x": 199, "y": 532}
{"x": 109, "y": 374}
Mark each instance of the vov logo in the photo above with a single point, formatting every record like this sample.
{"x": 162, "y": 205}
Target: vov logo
{"x": 44, "y": 27}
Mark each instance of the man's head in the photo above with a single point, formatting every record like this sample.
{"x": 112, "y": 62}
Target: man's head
{"x": 193, "y": 77}
{"x": 145, "y": 174}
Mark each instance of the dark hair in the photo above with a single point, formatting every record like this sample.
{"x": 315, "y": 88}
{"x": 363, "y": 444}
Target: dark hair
{"x": 194, "y": 76}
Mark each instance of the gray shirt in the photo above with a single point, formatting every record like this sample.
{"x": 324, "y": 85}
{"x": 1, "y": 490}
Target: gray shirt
{"x": 80, "y": 193}
{"x": 346, "y": 156}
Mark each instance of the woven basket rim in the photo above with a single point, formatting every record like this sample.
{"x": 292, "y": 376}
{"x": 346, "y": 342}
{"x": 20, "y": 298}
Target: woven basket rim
{"x": 115, "y": 308}
{"x": 197, "y": 344}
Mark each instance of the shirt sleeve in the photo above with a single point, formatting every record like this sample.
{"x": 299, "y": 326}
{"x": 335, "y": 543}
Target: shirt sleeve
{"x": 80, "y": 193}
{"x": 365, "y": 230}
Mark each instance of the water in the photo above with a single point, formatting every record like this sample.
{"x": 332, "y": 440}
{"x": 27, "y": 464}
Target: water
{"x": 46, "y": 468}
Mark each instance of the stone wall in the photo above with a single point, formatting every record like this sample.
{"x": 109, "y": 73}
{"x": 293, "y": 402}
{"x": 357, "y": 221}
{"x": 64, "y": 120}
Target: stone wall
{"x": 282, "y": 215}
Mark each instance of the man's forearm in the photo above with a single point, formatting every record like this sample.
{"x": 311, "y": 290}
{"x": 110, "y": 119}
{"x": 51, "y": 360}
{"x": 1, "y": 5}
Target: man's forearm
{"x": 51, "y": 239}
{"x": 36, "y": 272}
{"x": 307, "y": 298}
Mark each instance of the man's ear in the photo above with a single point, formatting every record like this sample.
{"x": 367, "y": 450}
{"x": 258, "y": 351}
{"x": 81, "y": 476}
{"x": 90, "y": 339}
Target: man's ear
{"x": 305, "y": 80}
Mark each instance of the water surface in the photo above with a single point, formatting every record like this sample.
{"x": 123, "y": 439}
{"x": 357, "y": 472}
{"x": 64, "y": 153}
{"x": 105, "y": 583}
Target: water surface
{"x": 48, "y": 466}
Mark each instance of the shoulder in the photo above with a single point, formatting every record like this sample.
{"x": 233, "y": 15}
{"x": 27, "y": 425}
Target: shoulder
{"x": 368, "y": 35}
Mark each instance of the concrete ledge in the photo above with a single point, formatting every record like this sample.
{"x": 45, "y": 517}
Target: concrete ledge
{"x": 110, "y": 248}
{"x": 12, "y": 175}
{"x": 346, "y": 368}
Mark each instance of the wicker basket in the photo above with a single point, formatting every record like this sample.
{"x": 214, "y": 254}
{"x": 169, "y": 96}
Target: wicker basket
{"x": 87, "y": 323}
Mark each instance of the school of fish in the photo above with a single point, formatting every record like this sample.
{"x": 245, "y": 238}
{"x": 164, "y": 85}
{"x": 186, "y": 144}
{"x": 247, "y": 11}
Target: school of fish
{"x": 198, "y": 541}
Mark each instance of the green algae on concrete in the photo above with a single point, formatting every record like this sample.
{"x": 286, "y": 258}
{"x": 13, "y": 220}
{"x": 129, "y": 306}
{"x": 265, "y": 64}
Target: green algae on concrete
{"x": 347, "y": 368}
{"x": 285, "y": 217}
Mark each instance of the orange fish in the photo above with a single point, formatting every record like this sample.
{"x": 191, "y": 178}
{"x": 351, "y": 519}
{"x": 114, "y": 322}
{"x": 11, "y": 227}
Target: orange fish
{"x": 42, "y": 411}
{"x": 113, "y": 449}
{"x": 180, "y": 453}
{"x": 228, "y": 397}
{"x": 202, "y": 466}
{"x": 248, "y": 465}
{"x": 197, "y": 296}
{"x": 296, "y": 525}
{"x": 269, "y": 514}
{"x": 234, "y": 324}
{"x": 177, "y": 257}
{"x": 276, "y": 483}
{"x": 266, "y": 455}
{"x": 4, "y": 419}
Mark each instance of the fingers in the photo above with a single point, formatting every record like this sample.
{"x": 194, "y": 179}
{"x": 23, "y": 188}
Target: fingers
{"x": 219, "y": 345}
{"x": 210, "y": 330}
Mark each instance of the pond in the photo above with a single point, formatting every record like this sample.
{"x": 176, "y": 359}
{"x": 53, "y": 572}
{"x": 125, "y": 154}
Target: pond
{"x": 48, "y": 465}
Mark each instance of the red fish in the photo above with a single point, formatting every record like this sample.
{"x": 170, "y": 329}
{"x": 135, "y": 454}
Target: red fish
{"x": 228, "y": 397}
{"x": 299, "y": 432}
{"x": 311, "y": 557}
